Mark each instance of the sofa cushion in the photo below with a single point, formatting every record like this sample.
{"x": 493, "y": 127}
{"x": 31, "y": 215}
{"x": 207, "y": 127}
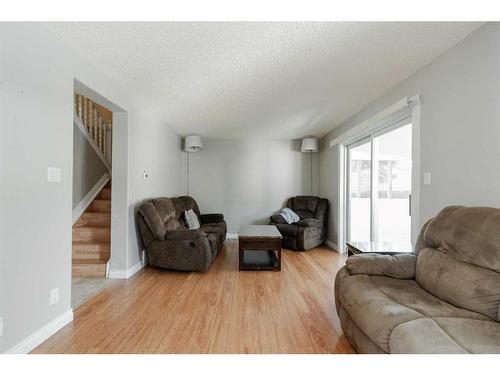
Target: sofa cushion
{"x": 379, "y": 304}
{"x": 183, "y": 204}
{"x": 166, "y": 210}
{"x": 159, "y": 215}
{"x": 218, "y": 230}
{"x": 321, "y": 212}
{"x": 470, "y": 234}
{"x": 304, "y": 203}
{"x": 153, "y": 220}
{"x": 212, "y": 218}
{"x": 185, "y": 234}
{"x": 287, "y": 230}
{"x": 422, "y": 336}
{"x": 278, "y": 219}
{"x": 311, "y": 222}
{"x": 400, "y": 266}
{"x": 462, "y": 284}
{"x": 304, "y": 214}
{"x": 374, "y": 312}
{"x": 446, "y": 335}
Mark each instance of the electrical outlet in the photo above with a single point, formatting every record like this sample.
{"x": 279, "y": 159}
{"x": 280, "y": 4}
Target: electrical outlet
{"x": 1, "y": 327}
{"x": 54, "y": 296}
{"x": 145, "y": 175}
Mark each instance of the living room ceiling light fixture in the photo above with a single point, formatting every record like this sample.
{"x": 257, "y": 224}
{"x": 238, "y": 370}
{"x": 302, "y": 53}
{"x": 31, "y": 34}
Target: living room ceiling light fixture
{"x": 310, "y": 145}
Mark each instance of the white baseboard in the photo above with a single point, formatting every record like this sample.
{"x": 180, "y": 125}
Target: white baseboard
{"x": 232, "y": 235}
{"x": 39, "y": 336}
{"x": 87, "y": 200}
{"x": 125, "y": 274}
{"x": 332, "y": 246}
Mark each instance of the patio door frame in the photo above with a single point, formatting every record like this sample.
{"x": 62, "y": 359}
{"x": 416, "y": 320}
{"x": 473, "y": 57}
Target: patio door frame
{"x": 404, "y": 119}
{"x": 405, "y": 106}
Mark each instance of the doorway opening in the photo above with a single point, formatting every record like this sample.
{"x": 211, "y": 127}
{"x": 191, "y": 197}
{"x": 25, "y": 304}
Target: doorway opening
{"x": 379, "y": 186}
{"x": 92, "y": 165}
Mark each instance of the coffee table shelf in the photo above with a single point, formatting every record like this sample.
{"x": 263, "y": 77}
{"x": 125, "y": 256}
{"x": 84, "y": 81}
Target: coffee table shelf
{"x": 259, "y": 248}
{"x": 260, "y": 260}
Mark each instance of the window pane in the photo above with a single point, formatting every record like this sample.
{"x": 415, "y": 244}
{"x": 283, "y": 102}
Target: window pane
{"x": 359, "y": 159}
{"x": 392, "y": 217}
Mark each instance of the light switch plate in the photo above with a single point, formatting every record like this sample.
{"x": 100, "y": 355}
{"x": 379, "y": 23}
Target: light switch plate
{"x": 1, "y": 327}
{"x": 145, "y": 174}
{"x": 53, "y": 174}
{"x": 54, "y": 296}
{"x": 427, "y": 178}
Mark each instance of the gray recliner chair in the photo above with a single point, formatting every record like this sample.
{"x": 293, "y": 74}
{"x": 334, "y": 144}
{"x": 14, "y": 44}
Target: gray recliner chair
{"x": 310, "y": 231}
{"x": 444, "y": 298}
{"x": 169, "y": 244}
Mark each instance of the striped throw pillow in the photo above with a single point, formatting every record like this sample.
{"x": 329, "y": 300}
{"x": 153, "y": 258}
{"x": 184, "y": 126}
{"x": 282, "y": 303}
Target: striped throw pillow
{"x": 191, "y": 219}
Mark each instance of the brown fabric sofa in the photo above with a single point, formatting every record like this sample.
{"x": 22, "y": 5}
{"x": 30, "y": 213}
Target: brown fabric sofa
{"x": 444, "y": 298}
{"x": 169, "y": 244}
{"x": 310, "y": 231}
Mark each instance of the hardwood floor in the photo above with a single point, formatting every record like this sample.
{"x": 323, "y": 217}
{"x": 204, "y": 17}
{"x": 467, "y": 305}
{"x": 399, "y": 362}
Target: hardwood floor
{"x": 220, "y": 311}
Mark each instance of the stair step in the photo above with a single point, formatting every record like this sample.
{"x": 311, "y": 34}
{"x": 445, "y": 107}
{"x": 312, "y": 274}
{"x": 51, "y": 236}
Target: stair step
{"x": 91, "y": 251}
{"x": 91, "y": 234}
{"x": 91, "y": 268}
{"x": 100, "y": 205}
{"x": 94, "y": 219}
{"x": 105, "y": 193}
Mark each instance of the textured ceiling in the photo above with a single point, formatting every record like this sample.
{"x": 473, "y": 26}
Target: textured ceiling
{"x": 276, "y": 80}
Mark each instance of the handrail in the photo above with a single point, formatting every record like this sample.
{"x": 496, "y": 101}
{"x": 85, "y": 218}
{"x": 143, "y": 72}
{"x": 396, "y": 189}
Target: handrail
{"x": 96, "y": 131}
{"x": 90, "y": 139}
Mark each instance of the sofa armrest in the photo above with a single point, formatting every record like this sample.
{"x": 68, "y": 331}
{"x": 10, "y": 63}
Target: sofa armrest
{"x": 277, "y": 219}
{"x": 185, "y": 234}
{"x": 211, "y": 218}
{"x": 398, "y": 266}
{"x": 312, "y": 223}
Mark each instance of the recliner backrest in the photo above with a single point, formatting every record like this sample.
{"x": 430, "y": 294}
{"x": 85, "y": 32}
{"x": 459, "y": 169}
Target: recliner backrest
{"x": 183, "y": 204}
{"x": 307, "y": 207}
{"x": 164, "y": 215}
{"x": 460, "y": 258}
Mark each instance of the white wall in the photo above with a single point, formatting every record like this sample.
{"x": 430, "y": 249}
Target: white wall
{"x": 37, "y": 75}
{"x": 248, "y": 180}
{"x": 156, "y": 148}
{"x": 460, "y": 128}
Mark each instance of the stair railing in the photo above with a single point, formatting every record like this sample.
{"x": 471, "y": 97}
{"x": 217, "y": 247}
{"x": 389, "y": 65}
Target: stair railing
{"x": 97, "y": 131}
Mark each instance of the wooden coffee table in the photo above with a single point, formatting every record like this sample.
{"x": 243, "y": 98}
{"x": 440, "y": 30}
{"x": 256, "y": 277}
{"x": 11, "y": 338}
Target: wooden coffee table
{"x": 259, "y": 248}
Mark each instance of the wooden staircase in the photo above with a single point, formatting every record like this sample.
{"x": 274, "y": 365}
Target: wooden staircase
{"x": 92, "y": 237}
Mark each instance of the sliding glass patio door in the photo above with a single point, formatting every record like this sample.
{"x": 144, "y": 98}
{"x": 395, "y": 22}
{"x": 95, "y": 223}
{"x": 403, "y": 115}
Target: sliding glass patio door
{"x": 379, "y": 186}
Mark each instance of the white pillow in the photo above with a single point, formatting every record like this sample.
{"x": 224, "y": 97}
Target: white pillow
{"x": 191, "y": 219}
{"x": 290, "y": 216}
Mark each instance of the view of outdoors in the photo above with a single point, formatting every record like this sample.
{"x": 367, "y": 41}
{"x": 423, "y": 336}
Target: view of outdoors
{"x": 391, "y": 195}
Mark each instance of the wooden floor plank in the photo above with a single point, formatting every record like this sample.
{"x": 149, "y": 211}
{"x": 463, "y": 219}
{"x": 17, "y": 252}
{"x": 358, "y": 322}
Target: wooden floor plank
{"x": 220, "y": 311}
